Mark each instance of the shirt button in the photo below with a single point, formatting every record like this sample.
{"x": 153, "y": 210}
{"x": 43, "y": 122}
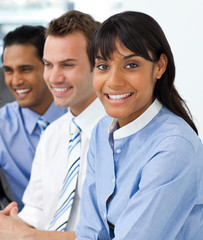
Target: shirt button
{"x": 105, "y": 215}
{"x": 118, "y": 151}
{"x": 113, "y": 180}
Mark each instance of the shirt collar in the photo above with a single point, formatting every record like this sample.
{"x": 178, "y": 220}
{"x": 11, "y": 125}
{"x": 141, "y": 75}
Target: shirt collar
{"x": 138, "y": 123}
{"x": 87, "y": 119}
{"x": 52, "y": 113}
{"x": 30, "y": 117}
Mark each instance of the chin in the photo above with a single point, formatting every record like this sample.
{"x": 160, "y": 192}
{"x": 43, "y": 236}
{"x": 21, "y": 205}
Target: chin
{"x": 60, "y": 103}
{"x": 24, "y": 104}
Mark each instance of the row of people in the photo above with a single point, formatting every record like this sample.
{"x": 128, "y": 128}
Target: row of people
{"x": 143, "y": 168}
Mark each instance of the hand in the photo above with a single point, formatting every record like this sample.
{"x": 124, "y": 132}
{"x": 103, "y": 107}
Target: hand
{"x": 11, "y": 226}
{"x": 7, "y": 210}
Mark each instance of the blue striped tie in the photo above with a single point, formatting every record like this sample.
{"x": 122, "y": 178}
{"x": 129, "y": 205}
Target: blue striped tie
{"x": 66, "y": 198}
{"x": 42, "y": 124}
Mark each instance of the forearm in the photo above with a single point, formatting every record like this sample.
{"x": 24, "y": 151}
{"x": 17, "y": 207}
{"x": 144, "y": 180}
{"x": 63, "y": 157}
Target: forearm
{"x": 12, "y": 227}
{"x": 34, "y": 234}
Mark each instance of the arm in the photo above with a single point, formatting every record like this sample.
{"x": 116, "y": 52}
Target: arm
{"x": 33, "y": 210}
{"x": 90, "y": 226}
{"x": 166, "y": 195}
{"x": 47, "y": 235}
{"x": 12, "y": 227}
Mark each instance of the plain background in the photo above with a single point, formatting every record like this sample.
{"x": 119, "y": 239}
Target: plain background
{"x": 182, "y": 22}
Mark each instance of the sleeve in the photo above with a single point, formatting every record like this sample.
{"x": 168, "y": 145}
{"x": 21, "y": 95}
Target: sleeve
{"x": 90, "y": 226}
{"x": 166, "y": 195}
{"x": 32, "y": 213}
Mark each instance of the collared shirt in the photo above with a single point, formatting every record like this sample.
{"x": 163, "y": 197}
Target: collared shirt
{"x": 18, "y": 140}
{"x": 49, "y": 168}
{"x": 144, "y": 180}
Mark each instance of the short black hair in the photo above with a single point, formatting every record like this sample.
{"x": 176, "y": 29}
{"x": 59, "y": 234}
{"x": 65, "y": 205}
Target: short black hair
{"x": 26, "y": 35}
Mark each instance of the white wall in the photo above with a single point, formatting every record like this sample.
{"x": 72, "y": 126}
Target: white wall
{"x": 182, "y": 22}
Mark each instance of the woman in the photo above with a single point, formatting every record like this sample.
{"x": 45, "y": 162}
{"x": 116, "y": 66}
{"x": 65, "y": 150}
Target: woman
{"x": 145, "y": 162}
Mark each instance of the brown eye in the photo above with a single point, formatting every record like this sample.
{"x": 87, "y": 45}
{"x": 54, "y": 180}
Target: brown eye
{"x": 102, "y": 67}
{"x": 8, "y": 70}
{"x": 131, "y": 65}
{"x": 26, "y": 69}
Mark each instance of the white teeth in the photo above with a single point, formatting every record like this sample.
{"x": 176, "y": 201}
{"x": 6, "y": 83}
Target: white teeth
{"x": 119, "y": 97}
{"x": 60, "y": 89}
{"x": 22, "y": 91}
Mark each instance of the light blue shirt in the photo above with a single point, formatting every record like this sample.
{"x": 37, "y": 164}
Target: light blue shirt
{"x": 19, "y": 137}
{"x": 145, "y": 179}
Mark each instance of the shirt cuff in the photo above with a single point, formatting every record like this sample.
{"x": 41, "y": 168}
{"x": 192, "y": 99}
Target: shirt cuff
{"x": 32, "y": 216}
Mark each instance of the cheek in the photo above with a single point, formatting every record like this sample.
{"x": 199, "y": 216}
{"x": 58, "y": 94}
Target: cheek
{"x": 8, "y": 80}
{"x": 45, "y": 75}
{"x": 97, "y": 85}
{"x": 146, "y": 82}
{"x": 98, "y": 80}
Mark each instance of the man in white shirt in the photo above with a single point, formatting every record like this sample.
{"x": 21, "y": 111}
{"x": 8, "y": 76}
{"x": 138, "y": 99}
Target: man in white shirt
{"x": 69, "y": 77}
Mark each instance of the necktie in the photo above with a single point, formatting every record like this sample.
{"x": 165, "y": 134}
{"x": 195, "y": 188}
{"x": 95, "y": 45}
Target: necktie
{"x": 42, "y": 124}
{"x": 66, "y": 198}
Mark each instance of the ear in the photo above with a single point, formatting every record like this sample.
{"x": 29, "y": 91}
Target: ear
{"x": 161, "y": 66}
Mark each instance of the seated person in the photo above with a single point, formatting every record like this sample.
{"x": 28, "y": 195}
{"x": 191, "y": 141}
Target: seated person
{"x": 144, "y": 176}
{"x": 19, "y": 127}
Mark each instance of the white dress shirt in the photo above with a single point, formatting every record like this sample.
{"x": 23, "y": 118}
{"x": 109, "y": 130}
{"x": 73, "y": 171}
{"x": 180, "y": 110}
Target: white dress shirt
{"x": 49, "y": 168}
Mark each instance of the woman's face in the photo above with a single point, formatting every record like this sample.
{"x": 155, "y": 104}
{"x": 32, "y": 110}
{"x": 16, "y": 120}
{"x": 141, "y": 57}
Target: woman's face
{"x": 125, "y": 84}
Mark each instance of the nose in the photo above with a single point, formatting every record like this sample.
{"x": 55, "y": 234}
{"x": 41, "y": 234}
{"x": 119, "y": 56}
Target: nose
{"x": 16, "y": 79}
{"x": 54, "y": 75}
{"x": 115, "y": 79}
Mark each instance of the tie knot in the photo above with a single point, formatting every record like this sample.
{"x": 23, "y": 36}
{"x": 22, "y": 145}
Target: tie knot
{"x": 42, "y": 124}
{"x": 74, "y": 128}
{"x": 74, "y": 136}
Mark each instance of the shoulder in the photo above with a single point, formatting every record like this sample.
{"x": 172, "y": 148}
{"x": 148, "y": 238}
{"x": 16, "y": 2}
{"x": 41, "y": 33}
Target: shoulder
{"x": 53, "y": 142}
{"x": 61, "y": 120}
{"x": 100, "y": 131}
{"x": 168, "y": 126}
{"x": 9, "y": 113}
{"x": 103, "y": 123}
{"x": 174, "y": 125}
{"x": 9, "y": 109}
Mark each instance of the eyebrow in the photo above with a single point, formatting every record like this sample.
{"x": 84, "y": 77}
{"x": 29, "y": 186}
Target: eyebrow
{"x": 99, "y": 58}
{"x": 5, "y": 66}
{"x": 63, "y": 61}
{"x": 124, "y": 57}
{"x": 21, "y": 66}
{"x": 25, "y": 65}
{"x": 129, "y": 56}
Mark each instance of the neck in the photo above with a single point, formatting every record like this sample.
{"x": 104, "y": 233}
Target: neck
{"x": 76, "y": 110}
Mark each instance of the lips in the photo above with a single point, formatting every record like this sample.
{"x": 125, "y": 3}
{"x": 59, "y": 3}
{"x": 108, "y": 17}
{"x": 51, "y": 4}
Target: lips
{"x": 118, "y": 97}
